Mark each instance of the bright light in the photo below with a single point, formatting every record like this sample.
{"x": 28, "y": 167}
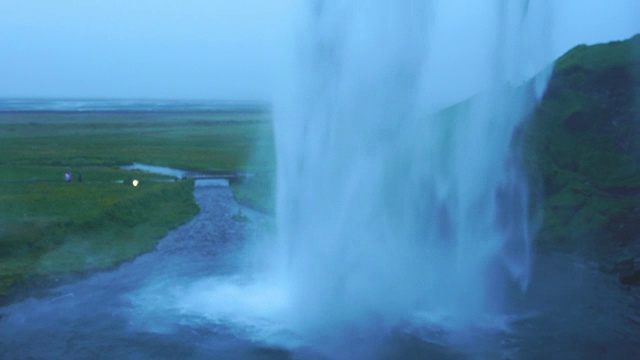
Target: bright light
{"x": 135, "y": 182}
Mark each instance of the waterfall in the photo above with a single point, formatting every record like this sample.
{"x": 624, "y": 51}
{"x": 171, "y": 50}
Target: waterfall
{"x": 383, "y": 210}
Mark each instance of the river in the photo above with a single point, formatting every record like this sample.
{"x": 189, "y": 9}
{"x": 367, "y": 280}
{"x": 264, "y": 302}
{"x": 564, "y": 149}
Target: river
{"x": 144, "y": 309}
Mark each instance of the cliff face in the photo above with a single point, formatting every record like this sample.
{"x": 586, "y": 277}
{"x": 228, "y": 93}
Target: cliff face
{"x": 582, "y": 146}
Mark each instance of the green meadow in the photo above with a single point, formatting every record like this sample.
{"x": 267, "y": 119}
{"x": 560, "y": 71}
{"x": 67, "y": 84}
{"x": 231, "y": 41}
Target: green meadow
{"x": 50, "y": 228}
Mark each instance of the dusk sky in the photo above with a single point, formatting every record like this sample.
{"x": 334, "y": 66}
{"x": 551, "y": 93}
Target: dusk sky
{"x": 211, "y": 49}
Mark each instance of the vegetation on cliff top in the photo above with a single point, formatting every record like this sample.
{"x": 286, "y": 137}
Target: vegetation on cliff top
{"x": 583, "y": 141}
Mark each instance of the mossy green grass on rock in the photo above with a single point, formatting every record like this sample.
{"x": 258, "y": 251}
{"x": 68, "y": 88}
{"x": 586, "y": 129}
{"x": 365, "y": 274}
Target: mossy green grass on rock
{"x": 583, "y": 140}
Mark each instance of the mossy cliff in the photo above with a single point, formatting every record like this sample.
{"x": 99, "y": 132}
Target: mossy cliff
{"x": 583, "y": 150}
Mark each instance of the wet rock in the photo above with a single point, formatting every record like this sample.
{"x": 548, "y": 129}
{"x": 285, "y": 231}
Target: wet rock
{"x": 628, "y": 271}
{"x": 578, "y": 122}
{"x": 630, "y": 279}
{"x": 583, "y": 151}
{"x": 624, "y": 266}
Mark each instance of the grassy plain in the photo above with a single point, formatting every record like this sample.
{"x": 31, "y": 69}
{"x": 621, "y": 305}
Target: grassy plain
{"x": 50, "y": 227}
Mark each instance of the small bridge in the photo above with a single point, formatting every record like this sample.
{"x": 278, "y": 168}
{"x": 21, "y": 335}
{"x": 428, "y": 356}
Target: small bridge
{"x": 215, "y": 176}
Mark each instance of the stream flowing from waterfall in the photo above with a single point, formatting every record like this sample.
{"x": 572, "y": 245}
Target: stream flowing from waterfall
{"x": 190, "y": 299}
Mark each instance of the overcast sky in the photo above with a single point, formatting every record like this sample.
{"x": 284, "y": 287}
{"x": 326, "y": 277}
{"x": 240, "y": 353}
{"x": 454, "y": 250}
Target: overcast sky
{"x": 215, "y": 49}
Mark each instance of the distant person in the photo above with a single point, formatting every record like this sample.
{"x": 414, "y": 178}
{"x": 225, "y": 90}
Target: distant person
{"x": 67, "y": 177}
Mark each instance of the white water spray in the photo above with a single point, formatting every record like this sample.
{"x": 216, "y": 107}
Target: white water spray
{"x": 383, "y": 212}
{"x": 388, "y": 219}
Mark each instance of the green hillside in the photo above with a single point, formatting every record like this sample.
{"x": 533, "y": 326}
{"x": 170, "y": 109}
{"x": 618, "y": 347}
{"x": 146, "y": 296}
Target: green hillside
{"x": 583, "y": 147}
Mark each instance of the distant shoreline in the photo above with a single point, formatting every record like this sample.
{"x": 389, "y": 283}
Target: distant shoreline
{"x": 132, "y": 116}
{"x": 128, "y": 106}
{"x": 135, "y": 112}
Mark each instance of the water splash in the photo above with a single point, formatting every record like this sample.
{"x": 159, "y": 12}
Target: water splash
{"x": 389, "y": 220}
{"x": 384, "y": 212}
